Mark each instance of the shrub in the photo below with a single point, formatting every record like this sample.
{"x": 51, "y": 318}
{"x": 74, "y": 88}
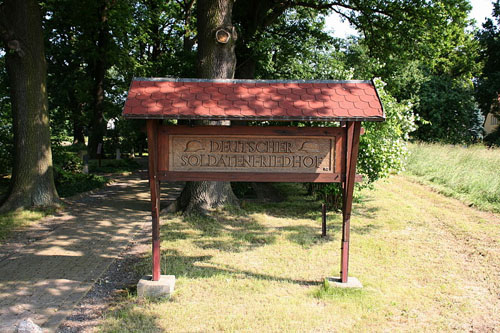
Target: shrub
{"x": 66, "y": 159}
{"x": 71, "y": 183}
{"x": 68, "y": 175}
{"x": 383, "y": 148}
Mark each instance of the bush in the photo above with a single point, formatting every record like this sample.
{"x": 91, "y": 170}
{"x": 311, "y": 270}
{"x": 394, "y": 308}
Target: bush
{"x": 383, "y": 148}
{"x": 68, "y": 175}
{"x": 66, "y": 159}
{"x": 71, "y": 183}
{"x": 450, "y": 111}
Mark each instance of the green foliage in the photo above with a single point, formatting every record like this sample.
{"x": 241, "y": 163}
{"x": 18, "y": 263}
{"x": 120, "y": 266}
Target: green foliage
{"x": 330, "y": 194}
{"x": 296, "y": 47}
{"x": 450, "y": 110}
{"x": 6, "y": 136}
{"x": 488, "y": 83}
{"x": 68, "y": 175}
{"x": 432, "y": 68}
{"x": 243, "y": 190}
{"x": 410, "y": 34}
{"x": 71, "y": 183}
{"x": 65, "y": 159}
{"x": 383, "y": 147}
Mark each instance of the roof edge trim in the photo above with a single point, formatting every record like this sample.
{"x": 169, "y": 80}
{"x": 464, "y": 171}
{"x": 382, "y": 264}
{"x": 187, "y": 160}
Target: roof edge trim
{"x": 167, "y": 79}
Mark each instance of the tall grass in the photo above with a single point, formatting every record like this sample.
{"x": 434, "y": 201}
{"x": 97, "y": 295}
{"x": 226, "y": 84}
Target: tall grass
{"x": 471, "y": 174}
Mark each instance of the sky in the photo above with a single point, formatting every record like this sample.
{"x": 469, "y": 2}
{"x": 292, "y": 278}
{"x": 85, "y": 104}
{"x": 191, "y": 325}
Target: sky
{"x": 480, "y": 10}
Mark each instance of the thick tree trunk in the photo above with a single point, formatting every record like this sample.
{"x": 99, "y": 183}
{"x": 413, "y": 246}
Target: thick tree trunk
{"x": 99, "y": 68}
{"x": 216, "y": 61}
{"x": 32, "y": 181}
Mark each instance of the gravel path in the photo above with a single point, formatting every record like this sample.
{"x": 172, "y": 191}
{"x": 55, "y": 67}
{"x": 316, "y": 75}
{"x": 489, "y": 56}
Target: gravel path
{"x": 46, "y": 271}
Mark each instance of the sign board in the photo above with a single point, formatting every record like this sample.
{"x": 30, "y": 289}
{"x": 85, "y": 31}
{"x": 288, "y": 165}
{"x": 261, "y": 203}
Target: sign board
{"x": 217, "y": 153}
{"x": 250, "y": 153}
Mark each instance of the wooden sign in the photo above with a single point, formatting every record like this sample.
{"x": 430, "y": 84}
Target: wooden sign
{"x": 218, "y": 153}
{"x": 253, "y": 153}
{"x": 307, "y": 154}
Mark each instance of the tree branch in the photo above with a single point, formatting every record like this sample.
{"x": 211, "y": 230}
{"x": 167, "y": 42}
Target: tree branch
{"x": 331, "y": 5}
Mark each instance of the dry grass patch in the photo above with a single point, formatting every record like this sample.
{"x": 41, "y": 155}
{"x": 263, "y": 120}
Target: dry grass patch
{"x": 427, "y": 262}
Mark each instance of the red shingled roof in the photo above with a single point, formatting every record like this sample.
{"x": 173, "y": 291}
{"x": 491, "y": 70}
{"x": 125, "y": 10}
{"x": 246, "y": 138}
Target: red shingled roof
{"x": 253, "y": 100}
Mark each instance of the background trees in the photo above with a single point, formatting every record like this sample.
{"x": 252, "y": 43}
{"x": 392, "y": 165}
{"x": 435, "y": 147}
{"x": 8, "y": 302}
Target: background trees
{"x": 488, "y": 83}
{"x": 424, "y": 51}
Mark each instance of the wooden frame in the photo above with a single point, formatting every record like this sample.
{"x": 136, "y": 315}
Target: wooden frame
{"x": 337, "y": 134}
{"x": 345, "y": 153}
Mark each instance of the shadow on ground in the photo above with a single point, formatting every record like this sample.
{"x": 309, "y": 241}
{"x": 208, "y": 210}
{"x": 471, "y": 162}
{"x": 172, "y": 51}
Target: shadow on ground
{"x": 46, "y": 277}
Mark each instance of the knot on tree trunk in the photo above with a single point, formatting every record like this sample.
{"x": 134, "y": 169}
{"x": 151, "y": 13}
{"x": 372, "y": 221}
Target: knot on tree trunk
{"x": 224, "y": 34}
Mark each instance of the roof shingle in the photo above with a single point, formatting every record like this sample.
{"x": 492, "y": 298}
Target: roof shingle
{"x": 253, "y": 100}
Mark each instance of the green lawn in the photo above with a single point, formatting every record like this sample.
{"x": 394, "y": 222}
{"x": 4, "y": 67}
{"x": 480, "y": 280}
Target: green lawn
{"x": 470, "y": 174}
{"x": 427, "y": 262}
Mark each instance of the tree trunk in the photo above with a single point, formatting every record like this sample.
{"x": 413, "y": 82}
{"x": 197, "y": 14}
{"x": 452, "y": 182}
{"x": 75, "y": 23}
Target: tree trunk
{"x": 77, "y": 119}
{"x": 97, "y": 125}
{"x": 215, "y": 61}
{"x": 32, "y": 181}
{"x": 78, "y": 128}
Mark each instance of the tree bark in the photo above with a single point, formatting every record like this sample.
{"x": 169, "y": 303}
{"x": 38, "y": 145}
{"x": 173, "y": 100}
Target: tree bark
{"x": 32, "y": 181}
{"x": 77, "y": 119}
{"x": 99, "y": 68}
{"x": 215, "y": 61}
{"x": 78, "y": 127}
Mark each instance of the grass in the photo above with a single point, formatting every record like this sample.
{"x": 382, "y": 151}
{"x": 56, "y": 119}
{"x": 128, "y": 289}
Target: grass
{"x": 15, "y": 220}
{"x": 427, "y": 262}
{"x": 470, "y": 174}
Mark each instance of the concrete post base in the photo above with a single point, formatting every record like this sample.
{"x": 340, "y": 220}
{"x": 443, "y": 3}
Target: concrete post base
{"x": 352, "y": 282}
{"x": 164, "y": 287}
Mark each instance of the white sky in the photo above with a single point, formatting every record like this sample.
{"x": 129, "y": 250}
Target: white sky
{"x": 481, "y": 9}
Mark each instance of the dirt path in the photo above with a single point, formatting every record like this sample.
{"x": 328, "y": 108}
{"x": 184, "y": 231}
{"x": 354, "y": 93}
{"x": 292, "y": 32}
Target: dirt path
{"x": 44, "y": 277}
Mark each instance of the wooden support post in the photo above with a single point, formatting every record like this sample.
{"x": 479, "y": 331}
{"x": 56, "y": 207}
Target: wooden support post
{"x": 323, "y": 220}
{"x": 351, "y": 157}
{"x": 154, "y": 184}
